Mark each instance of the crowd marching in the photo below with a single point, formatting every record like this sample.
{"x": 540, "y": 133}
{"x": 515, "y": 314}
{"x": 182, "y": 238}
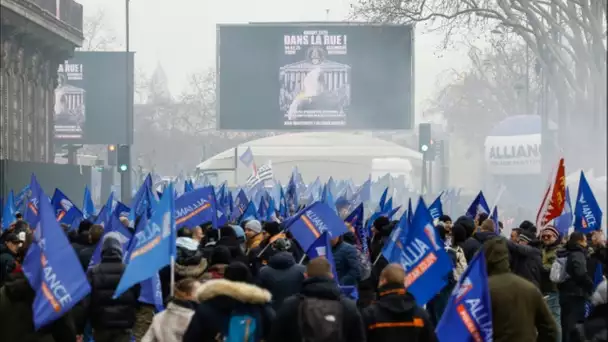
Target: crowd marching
{"x": 205, "y": 265}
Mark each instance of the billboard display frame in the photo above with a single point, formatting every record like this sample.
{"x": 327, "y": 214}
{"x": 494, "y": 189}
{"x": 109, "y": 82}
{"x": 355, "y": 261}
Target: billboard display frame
{"x": 95, "y": 95}
{"x": 408, "y": 113}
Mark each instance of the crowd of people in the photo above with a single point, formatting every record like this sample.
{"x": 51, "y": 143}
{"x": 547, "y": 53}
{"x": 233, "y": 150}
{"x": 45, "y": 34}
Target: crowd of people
{"x": 257, "y": 273}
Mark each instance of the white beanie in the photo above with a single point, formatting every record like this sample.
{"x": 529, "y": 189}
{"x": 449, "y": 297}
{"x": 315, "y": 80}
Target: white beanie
{"x": 254, "y": 225}
{"x": 600, "y": 296}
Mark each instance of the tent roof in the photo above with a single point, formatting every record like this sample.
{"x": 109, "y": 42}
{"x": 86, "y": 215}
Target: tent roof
{"x": 316, "y": 144}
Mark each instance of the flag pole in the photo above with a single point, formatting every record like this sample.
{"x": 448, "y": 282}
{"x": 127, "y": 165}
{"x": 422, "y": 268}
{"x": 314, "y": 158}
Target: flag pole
{"x": 172, "y": 286}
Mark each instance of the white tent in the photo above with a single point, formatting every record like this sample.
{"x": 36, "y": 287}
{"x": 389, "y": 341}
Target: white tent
{"x": 315, "y": 154}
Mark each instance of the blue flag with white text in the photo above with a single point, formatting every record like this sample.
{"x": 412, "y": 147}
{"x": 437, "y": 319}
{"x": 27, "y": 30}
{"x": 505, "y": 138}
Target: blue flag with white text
{"x": 310, "y": 223}
{"x": 587, "y": 212}
{"x": 53, "y": 269}
{"x": 194, "y": 207}
{"x": 468, "y": 315}
{"x": 153, "y": 244}
{"x": 35, "y": 194}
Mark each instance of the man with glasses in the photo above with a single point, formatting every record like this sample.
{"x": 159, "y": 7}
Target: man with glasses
{"x": 551, "y": 242}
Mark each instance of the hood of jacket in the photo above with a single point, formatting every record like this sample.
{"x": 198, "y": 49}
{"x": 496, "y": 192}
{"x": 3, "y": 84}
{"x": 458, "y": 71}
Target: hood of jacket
{"x": 321, "y": 287}
{"x": 482, "y": 237}
{"x": 240, "y": 292}
{"x": 573, "y": 246}
{"x": 281, "y": 261}
{"x": 497, "y": 256}
{"x": 395, "y": 299}
{"x": 191, "y": 271}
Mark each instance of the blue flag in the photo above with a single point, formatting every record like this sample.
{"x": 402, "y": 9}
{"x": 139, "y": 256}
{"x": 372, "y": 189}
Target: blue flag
{"x": 479, "y": 205}
{"x": 88, "y": 207}
{"x": 321, "y": 247}
{"x": 151, "y": 292}
{"x": 240, "y": 205}
{"x": 250, "y": 213}
{"x": 328, "y": 198}
{"x": 587, "y": 212}
{"x": 120, "y": 232}
{"x": 153, "y": 244}
{"x": 468, "y": 315}
{"x": 8, "y": 212}
{"x": 436, "y": 208}
{"x": 424, "y": 257}
{"x": 65, "y": 210}
{"x": 52, "y": 268}
{"x": 143, "y": 199}
{"x": 309, "y": 224}
{"x": 35, "y": 194}
{"x": 494, "y": 218}
{"x": 194, "y": 207}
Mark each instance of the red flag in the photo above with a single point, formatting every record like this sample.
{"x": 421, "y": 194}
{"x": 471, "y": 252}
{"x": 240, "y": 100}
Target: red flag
{"x": 554, "y": 199}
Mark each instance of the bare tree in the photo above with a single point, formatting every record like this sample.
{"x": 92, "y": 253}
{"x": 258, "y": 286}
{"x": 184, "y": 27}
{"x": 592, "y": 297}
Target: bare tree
{"x": 567, "y": 38}
{"x": 98, "y": 35}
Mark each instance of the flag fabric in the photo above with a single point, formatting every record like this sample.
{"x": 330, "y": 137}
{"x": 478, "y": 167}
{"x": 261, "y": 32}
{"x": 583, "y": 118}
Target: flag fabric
{"x": 35, "y": 194}
{"x": 88, "y": 207}
{"x": 264, "y": 173}
{"x": 116, "y": 229}
{"x": 151, "y": 293}
{"x": 468, "y": 315}
{"x": 52, "y": 268}
{"x": 328, "y": 198}
{"x": 143, "y": 199}
{"x": 563, "y": 222}
{"x": 436, "y": 208}
{"x": 250, "y": 213}
{"x": 494, "y": 218}
{"x": 194, "y": 207}
{"x": 21, "y": 198}
{"x": 554, "y": 200}
{"x": 424, "y": 257}
{"x": 478, "y": 206}
{"x": 321, "y": 247}
{"x": 247, "y": 157}
{"x": 587, "y": 212}
{"x": 9, "y": 211}
{"x": 153, "y": 244}
{"x": 355, "y": 220}
{"x": 310, "y": 223}
{"x": 240, "y": 204}
{"x": 65, "y": 210}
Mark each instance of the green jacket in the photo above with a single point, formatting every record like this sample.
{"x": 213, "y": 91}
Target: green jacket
{"x": 549, "y": 254}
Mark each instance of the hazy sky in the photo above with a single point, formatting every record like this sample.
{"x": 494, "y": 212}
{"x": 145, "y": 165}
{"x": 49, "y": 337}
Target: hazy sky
{"x": 180, "y": 34}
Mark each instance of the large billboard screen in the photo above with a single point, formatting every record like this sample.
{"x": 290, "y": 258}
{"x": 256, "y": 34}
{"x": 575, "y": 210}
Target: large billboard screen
{"x": 91, "y": 101}
{"x": 315, "y": 76}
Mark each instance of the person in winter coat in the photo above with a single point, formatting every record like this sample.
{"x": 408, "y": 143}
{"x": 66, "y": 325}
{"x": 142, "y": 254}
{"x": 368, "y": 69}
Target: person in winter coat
{"x": 395, "y": 316}
{"x": 86, "y": 253}
{"x": 346, "y": 261}
{"x": 253, "y": 232}
{"x": 595, "y": 327}
{"x": 8, "y": 255}
{"x": 81, "y": 240}
{"x": 471, "y": 245}
{"x": 519, "y": 311}
{"x": 294, "y": 321}
{"x": 17, "y": 322}
{"x": 220, "y": 298}
{"x": 112, "y": 320}
{"x": 282, "y": 276}
{"x": 525, "y": 258}
{"x": 551, "y": 242}
{"x": 171, "y": 324}
{"x": 220, "y": 258}
{"x": 578, "y": 286}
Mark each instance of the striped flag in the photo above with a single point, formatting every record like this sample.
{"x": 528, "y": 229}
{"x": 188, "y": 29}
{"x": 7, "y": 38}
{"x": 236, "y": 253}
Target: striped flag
{"x": 264, "y": 173}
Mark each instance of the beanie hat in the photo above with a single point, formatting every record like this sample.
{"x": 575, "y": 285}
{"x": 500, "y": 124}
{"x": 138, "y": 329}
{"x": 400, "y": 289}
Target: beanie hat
{"x": 526, "y": 236}
{"x": 528, "y": 226}
{"x": 237, "y": 271}
{"x": 111, "y": 242}
{"x": 381, "y": 222}
{"x": 467, "y": 223}
{"x": 254, "y": 225}
{"x": 240, "y": 233}
{"x": 551, "y": 230}
{"x": 272, "y": 228}
{"x": 220, "y": 255}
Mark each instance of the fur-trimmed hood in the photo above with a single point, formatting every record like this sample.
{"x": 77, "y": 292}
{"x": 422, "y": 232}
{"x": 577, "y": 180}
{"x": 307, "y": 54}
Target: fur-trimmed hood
{"x": 242, "y": 292}
{"x": 191, "y": 271}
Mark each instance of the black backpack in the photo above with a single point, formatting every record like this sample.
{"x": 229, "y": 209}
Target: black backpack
{"x": 320, "y": 320}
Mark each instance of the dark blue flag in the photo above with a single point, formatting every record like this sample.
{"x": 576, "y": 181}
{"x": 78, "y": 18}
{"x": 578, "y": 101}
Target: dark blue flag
{"x": 587, "y": 212}
{"x": 194, "y": 207}
{"x": 308, "y": 224}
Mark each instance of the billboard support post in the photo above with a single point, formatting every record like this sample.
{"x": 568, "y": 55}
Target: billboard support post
{"x": 125, "y": 177}
{"x": 236, "y": 164}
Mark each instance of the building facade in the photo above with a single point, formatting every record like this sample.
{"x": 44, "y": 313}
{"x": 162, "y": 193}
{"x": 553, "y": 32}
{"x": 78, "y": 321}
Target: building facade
{"x": 35, "y": 37}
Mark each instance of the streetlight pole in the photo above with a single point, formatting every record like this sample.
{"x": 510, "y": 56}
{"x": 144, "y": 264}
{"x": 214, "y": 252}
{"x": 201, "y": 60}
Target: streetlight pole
{"x": 125, "y": 177}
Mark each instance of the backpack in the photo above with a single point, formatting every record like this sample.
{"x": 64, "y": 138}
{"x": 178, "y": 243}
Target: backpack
{"x": 242, "y": 327}
{"x": 558, "y": 272}
{"x": 320, "y": 320}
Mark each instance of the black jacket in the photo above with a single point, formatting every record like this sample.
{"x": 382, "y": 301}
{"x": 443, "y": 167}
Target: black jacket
{"x": 85, "y": 256}
{"x": 17, "y": 319}
{"x": 282, "y": 277}
{"x": 219, "y": 298}
{"x": 595, "y": 327}
{"x": 104, "y": 312}
{"x": 7, "y": 263}
{"x": 286, "y": 328}
{"x": 579, "y": 283}
{"x": 396, "y": 317}
{"x": 347, "y": 264}
{"x": 526, "y": 262}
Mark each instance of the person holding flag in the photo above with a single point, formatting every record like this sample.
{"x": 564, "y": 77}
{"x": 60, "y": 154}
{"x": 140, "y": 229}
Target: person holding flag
{"x": 519, "y": 311}
{"x": 395, "y": 316}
